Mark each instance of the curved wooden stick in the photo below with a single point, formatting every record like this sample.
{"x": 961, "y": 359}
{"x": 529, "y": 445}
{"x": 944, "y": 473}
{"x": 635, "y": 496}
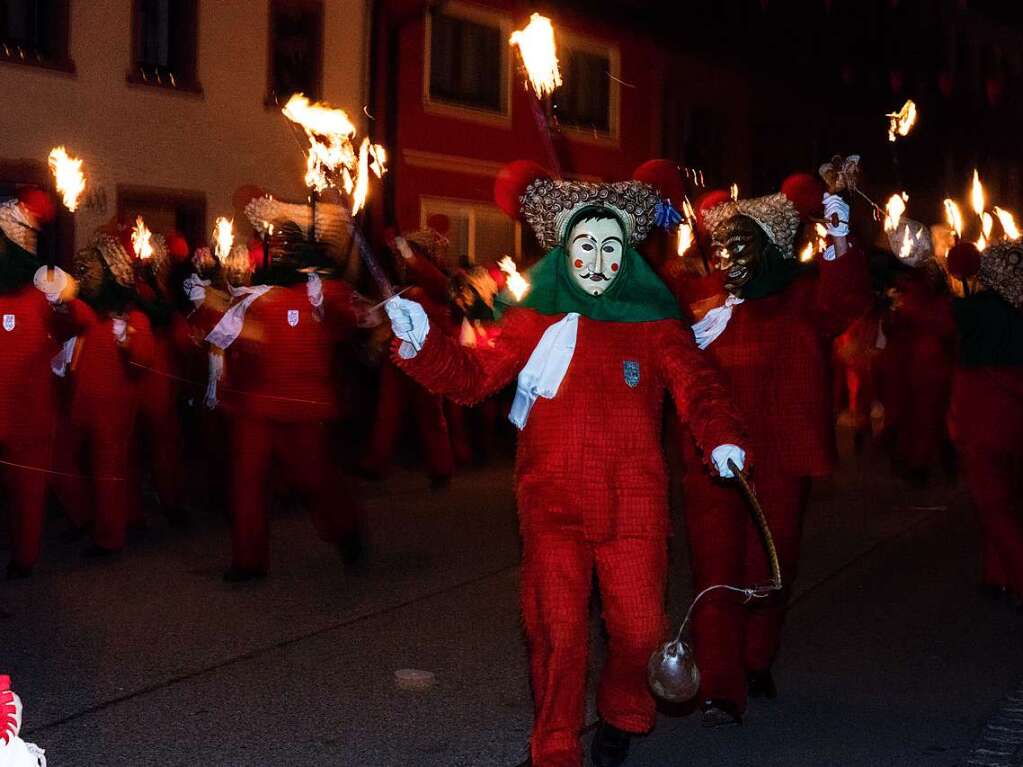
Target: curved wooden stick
{"x": 765, "y": 531}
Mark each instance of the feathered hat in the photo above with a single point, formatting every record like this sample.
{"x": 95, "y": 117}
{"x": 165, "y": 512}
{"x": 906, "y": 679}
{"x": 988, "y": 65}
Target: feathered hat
{"x": 779, "y": 214}
{"x": 550, "y": 205}
{"x": 1001, "y": 270}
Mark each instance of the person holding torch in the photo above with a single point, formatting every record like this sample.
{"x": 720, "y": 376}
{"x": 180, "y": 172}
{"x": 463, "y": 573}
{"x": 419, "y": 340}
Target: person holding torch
{"x": 594, "y": 343}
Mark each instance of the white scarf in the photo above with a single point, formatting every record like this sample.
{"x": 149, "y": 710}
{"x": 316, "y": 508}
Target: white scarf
{"x": 546, "y": 368}
{"x": 62, "y": 361}
{"x": 714, "y": 322}
{"x": 226, "y": 331}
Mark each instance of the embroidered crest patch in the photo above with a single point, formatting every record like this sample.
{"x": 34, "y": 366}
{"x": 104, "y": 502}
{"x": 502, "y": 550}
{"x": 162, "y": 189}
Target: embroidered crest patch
{"x": 8, "y": 322}
{"x": 631, "y": 373}
{"x": 293, "y": 317}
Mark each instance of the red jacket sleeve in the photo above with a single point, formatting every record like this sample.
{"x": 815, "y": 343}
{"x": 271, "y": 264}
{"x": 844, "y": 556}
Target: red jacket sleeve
{"x": 700, "y": 398}
{"x": 468, "y": 375}
{"x": 71, "y": 319}
{"x": 429, "y": 277}
{"x": 140, "y": 348}
{"x": 339, "y": 307}
{"x": 843, "y": 292}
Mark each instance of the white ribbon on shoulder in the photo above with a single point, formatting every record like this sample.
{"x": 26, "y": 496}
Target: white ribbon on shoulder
{"x": 226, "y": 331}
{"x": 714, "y": 322}
{"x": 546, "y": 368}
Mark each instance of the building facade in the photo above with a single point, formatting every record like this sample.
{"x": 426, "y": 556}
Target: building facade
{"x": 171, "y": 103}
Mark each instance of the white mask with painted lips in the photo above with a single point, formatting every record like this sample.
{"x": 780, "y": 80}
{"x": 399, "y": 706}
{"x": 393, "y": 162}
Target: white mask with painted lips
{"x": 595, "y": 251}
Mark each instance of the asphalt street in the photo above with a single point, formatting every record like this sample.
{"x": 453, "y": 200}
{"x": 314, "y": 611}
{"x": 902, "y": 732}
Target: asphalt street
{"x": 891, "y": 654}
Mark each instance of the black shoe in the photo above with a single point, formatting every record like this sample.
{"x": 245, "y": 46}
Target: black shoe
{"x": 610, "y": 745}
{"x": 352, "y": 548}
{"x": 16, "y": 572}
{"x": 242, "y": 575}
{"x": 718, "y": 712}
{"x": 760, "y": 684}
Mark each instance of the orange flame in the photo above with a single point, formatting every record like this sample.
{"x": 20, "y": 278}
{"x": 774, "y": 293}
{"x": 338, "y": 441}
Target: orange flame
{"x": 685, "y": 238}
{"x": 539, "y": 54}
{"x": 67, "y": 174}
{"x": 517, "y": 284}
{"x": 901, "y": 123}
{"x": 332, "y": 159}
{"x": 954, "y": 217}
{"x": 223, "y": 238}
{"x": 1008, "y": 222}
{"x": 894, "y": 209}
{"x": 733, "y": 190}
{"x": 141, "y": 240}
{"x": 977, "y": 194}
{"x": 807, "y": 253}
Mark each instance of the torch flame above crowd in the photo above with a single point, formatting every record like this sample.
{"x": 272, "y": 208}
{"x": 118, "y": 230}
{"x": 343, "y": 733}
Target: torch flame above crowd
{"x": 223, "y": 238}
{"x": 901, "y": 123}
{"x": 141, "y": 240}
{"x": 68, "y": 176}
{"x": 539, "y": 54}
{"x": 331, "y": 159}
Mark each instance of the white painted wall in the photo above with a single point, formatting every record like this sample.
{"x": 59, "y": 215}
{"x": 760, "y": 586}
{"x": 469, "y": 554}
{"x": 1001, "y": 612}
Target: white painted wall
{"x": 129, "y": 134}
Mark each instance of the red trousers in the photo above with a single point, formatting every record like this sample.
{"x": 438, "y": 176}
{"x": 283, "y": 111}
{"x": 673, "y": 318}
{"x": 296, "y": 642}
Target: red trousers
{"x": 25, "y": 489}
{"x": 730, "y": 637}
{"x": 988, "y": 425}
{"x": 397, "y": 394}
{"x": 158, "y": 426}
{"x": 94, "y": 449}
{"x": 298, "y": 455}
{"x": 557, "y": 574}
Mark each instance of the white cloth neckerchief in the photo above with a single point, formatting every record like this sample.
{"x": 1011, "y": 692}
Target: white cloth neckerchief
{"x": 226, "y": 331}
{"x": 546, "y": 368}
{"x": 714, "y": 322}
{"x": 59, "y": 364}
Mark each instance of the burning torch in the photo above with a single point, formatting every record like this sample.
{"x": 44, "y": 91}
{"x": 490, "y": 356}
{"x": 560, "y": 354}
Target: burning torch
{"x": 70, "y": 182}
{"x": 540, "y": 64}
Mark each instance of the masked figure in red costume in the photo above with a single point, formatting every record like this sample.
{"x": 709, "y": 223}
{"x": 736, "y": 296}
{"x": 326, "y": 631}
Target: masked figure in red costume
{"x": 280, "y": 337}
{"x": 595, "y": 344}
{"x": 28, "y": 342}
{"x": 113, "y": 346}
{"x": 987, "y": 404}
{"x": 771, "y": 340}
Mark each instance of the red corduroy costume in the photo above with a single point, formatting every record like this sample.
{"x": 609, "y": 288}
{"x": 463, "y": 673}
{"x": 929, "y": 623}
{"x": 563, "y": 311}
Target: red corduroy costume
{"x": 591, "y": 491}
{"x": 282, "y": 397}
{"x": 28, "y": 341}
{"x": 774, "y": 356}
{"x": 94, "y": 443}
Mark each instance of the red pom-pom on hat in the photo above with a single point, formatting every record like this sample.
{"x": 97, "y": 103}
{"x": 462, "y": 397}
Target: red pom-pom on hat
{"x": 177, "y": 247}
{"x": 511, "y": 183}
{"x": 806, "y": 192}
{"x": 38, "y": 203}
{"x": 707, "y": 201}
{"x": 245, "y": 194}
{"x": 963, "y": 260}
{"x": 5, "y": 682}
{"x": 498, "y": 276}
{"x": 663, "y": 176}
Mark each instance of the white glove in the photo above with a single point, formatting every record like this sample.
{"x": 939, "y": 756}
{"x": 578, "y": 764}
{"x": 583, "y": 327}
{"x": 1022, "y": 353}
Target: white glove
{"x": 120, "y": 328}
{"x": 409, "y": 323}
{"x": 195, "y": 288}
{"x": 833, "y": 204}
{"x": 722, "y": 454}
{"x": 314, "y": 289}
{"x": 51, "y": 283}
{"x": 403, "y": 248}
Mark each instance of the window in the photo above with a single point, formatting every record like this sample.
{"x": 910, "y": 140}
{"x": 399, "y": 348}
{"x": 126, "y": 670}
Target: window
{"x": 165, "y": 211}
{"x": 35, "y": 32}
{"x": 584, "y": 100}
{"x": 479, "y": 233}
{"x": 296, "y": 50}
{"x": 165, "y": 44}
{"x": 467, "y": 66}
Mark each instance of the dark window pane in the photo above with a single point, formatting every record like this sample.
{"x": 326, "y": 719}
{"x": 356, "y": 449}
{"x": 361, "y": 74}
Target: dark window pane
{"x": 584, "y": 100}
{"x": 165, "y": 39}
{"x": 295, "y": 49}
{"x": 465, "y": 63}
{"x": 33, "y": 26}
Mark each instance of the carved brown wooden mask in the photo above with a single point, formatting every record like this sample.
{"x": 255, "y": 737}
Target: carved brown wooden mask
{"x": 738, "y": 247}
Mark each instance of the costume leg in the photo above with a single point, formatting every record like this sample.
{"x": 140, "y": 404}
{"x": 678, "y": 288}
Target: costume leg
{"x": 992, "y": 569}
{"x": 26, "y": 490}
{"x": 716, "y": 519}
{"x": 71, "y": 485}
{"x": 556, "y": 576}
{"x": 392, "y": 401}
{"x": 783, "y": 500}
{"x": 458, "y": 429}
{"x": 433, "y": 432}
{"x": 632, "y": 573}
{"x": 111, "y": 437}
{"x": 250, "y": 536}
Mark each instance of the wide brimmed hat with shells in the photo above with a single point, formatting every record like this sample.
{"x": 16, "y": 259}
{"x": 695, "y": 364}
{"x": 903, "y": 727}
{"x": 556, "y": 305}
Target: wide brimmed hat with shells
{"x": 776, "y": 214}
{"x": 1001, "y": 270}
